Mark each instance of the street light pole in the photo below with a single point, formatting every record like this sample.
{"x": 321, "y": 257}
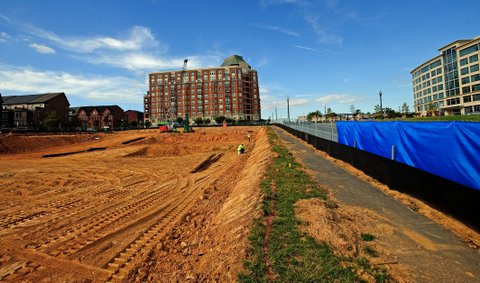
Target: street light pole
{"x": 288, "y": 108}
{"x": 381, "y": 107}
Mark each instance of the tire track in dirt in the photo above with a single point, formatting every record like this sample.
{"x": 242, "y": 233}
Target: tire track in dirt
{"x": 142, "y": 245}
{"x": 95, "y": 228}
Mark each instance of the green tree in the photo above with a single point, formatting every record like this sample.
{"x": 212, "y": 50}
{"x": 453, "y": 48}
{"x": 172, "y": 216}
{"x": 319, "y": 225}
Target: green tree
{"x": 353, "y": 109}
{"x": 432, "y": 109}
{"x": 74, "y": 122}
{"x": 147, "y": 124}
{"x": 134, "y": 124}
{"x": 405, "y": 108}
{"x": 199, "y": 121}
{"x": 316, "y": 114}
{"x": 207, "y": 121}
{"x": 180, "y": 120}
{"x": 219, "y": 119}
{"x": 52, "y": 120}
{"x": 390, "y": 113}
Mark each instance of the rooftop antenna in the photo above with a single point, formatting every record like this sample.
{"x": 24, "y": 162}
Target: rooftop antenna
{"x": 185, "y": 64}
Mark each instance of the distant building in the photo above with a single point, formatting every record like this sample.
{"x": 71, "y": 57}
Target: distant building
{"x": 230, "y": 90}
{"x": 30, "y": 111}
{"x": 134, "y": 116}
{"x": 449, "y": 84}
{"x": 99, "y": 117}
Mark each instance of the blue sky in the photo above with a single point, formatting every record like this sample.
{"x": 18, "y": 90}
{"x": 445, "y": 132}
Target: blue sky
{"x": 326, "y": 52}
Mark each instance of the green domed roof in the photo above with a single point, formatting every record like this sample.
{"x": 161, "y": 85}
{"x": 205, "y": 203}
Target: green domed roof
{"x": 235, "y": 60}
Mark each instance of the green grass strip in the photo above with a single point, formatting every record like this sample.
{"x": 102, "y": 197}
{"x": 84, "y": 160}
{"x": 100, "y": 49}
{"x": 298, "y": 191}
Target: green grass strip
{"x": 294, "y": 256}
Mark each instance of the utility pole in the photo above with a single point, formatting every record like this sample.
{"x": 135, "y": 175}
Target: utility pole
{"x": 186, "y": 125}
{"x": 288, "y": 108}
{"x": 381, "y": 107}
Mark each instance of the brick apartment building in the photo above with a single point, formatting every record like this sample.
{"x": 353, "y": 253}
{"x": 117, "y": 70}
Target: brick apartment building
{"x": 99, "y": 117}
{"x": 134, "y": 116}
{"x": 30, "y": 111}
{"x": 230, "y": 90}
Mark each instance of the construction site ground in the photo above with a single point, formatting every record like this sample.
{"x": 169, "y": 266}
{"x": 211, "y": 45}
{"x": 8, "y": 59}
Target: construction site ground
{"x": 147, "y": 206}
{"x": 411, "y": 246}
{"x": 133, "y": 205}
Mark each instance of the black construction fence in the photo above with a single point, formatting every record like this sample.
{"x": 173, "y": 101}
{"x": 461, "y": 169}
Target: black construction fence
{"x": 451, "y": 198}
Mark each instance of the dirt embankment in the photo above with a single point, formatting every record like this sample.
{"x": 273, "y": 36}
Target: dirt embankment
{"x": 131, "y": 209}
{"x": 210, "y": 242}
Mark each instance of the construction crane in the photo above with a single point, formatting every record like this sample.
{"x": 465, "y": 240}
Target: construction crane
{"x": 186, "y": 124}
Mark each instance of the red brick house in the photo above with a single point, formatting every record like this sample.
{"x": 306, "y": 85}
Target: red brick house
{"x": 134, "y": 116}
{"x": 100, "y": 117}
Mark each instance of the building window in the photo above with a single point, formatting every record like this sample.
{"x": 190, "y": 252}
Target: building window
{"x": 469, "y": 50}
{"x": 453, "y": 101}
{"x": 474, "y": 58}
{"x": 463, "y": 62}
{"x": 475, "y": 78}
{"x": 464, "y": 71}
{"x": 467, "y": 99}
{"x": 474, "y": 68}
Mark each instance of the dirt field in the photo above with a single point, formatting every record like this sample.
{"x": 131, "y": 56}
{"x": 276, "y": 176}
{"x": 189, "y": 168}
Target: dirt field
{"x": 169, "y": 205}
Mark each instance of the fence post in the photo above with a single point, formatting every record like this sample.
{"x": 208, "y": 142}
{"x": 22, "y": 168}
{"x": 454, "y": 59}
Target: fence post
{"x": 331, "y": 130}
{"x": 393, "y": 152}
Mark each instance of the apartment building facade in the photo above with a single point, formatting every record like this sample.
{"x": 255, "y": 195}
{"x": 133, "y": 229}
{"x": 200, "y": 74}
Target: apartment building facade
{"x": 449, "y": 84}
{"x": 99, "y": 117}
{"x": 230, "y": 90}
{"x": 30, "y": 111}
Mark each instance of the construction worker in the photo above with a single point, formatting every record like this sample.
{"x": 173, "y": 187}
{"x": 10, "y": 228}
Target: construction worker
{"x": 241, "y": 149}
{"x": 249, "y": 136}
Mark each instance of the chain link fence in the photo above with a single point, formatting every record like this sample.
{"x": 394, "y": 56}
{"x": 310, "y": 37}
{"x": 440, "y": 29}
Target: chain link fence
{"x": 326, "y": 130}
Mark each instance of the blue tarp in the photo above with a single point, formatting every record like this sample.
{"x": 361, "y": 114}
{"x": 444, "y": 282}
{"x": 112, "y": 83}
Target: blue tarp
{"x": 447, "y": 149}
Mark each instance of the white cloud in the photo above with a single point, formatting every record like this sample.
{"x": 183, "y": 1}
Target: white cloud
{"x": 337, "y": 99}
{"x": 4, "y": 36}
{"x": 102, "y": 89}
{"x": 277, "y": 29}
{"x": 305, "y": 48}
{"x": 139, "y": 51}
{"x": 311, "y": 15}
{"x": 299, "y": 101}
{"x": 138, "y": 38}
{"x": 142, "y": 61}
{"x": 264, "y": 91}
{"x": 324, "y": 36}
{"x": 42, "y": 48}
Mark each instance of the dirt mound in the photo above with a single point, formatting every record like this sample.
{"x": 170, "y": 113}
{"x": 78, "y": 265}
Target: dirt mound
{"x": 352, "y": 231}
{"x": 209, "y": 244}
{"x": 17, "y": 144}
{"x": 142, "y": 152}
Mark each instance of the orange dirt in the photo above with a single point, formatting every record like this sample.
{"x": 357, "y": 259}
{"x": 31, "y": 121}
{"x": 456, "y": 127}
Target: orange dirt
{"x": 132, "y": 211}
